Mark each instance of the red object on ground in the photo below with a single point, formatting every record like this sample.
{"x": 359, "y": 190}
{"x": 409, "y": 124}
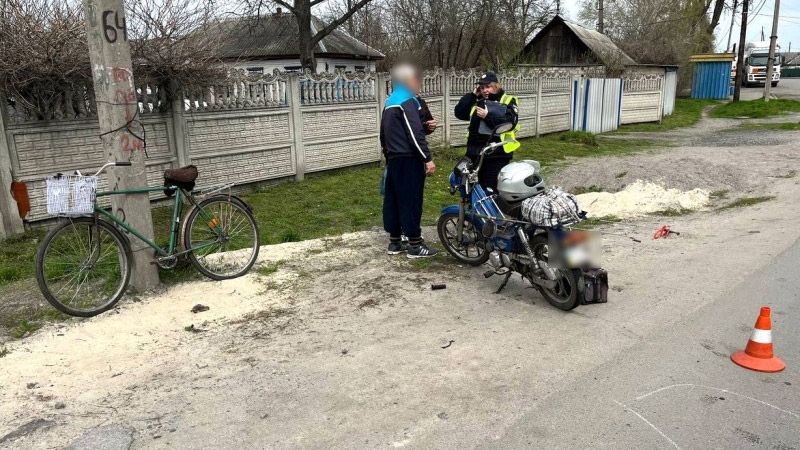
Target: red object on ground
{"x": 758, "y": 353}
{"x": 662, "y": 232}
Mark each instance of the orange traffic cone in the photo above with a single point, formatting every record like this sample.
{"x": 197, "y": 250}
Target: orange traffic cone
{"x": 758, "y": 353}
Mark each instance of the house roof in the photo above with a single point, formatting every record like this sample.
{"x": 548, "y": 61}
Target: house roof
{"x": 600, "y": 44}
{"x": 276, "y": 36}
{"x": 791, "y": 59}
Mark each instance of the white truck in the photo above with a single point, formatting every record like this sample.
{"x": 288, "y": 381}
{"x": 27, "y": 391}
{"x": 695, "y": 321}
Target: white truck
{"x": 756, "y": 55}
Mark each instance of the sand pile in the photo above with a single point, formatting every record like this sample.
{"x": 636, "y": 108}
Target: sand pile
{"x": 640, "y": 198}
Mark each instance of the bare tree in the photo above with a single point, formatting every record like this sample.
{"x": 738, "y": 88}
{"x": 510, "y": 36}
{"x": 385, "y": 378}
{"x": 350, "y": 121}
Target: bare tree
{"x": 655, "y": 31}
{"x": 43, "y": 54}
{"x": 449, "y": 33}
{"x": 166, "y": 48}
{"x": 307, "y": 38}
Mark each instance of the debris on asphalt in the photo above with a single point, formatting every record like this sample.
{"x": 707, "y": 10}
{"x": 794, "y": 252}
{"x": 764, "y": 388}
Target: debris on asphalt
{"x": 436, "y": 287}
{"x": 193, "y": 329}
{"x": 448, "y": 344}
{"x": 59, "y": 405}
{"x": 664, "y": 232}
{"x": 199, "y": 308}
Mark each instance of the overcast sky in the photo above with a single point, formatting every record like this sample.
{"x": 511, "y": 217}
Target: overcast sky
{"x": 788, "y": 25}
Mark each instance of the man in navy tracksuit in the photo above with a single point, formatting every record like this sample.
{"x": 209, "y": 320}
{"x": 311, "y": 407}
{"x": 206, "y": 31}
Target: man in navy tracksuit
{"x": 408, "y": 162}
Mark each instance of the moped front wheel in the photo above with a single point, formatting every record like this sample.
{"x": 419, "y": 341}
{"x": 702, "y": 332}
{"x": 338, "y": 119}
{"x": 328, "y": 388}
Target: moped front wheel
{"x": 471, "y": 249}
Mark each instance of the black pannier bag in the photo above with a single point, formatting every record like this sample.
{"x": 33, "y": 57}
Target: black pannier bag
{"x": 595, "y": 286}
{"x": 183, "y": 177}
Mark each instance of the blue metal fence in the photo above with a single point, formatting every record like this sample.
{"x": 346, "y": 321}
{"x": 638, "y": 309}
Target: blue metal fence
{"x": 711, "y": 79}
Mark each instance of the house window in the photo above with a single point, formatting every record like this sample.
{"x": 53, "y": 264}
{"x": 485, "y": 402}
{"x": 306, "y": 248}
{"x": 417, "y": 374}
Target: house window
{"x": 359, "y": 68}
{"x": 339, "y": 67}
{"x": 255, "y": 70}
{"x": 292, "y": 68}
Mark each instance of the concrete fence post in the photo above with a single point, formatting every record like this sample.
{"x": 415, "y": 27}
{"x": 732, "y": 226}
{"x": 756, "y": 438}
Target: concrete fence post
{"x": 10, "y": 222}
{"x": 179, "y": 130}
{"x": 296, "y": 122}
{"x": 539, "y": 103}
{"x": 446, "y": 107}
{"x": 380, "y": 98}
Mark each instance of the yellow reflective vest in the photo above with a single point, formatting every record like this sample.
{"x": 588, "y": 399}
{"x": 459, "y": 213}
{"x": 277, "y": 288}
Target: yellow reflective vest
{"x": 510, "y": 135}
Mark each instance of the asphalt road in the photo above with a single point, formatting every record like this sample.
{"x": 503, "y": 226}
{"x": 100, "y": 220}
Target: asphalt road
{"x": 681, "y": 390}
{"x": 787, "y": 88}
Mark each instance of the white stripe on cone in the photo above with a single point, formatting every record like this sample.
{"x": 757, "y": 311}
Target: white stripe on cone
{"x": 761, "y": 336}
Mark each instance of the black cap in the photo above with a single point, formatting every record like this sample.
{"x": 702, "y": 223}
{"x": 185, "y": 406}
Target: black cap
{"x": 488, "y": 77}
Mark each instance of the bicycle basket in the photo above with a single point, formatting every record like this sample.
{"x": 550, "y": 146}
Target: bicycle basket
{"x": 71, "y": 195}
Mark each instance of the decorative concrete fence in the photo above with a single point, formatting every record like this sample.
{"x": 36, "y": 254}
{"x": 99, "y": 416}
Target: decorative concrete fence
{"x": 256, "y": 128}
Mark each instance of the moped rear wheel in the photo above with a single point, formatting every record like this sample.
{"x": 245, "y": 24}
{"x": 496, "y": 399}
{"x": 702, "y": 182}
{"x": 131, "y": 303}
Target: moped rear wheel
{"x": 569, "y": 285}
{"x": 472, "y": 247}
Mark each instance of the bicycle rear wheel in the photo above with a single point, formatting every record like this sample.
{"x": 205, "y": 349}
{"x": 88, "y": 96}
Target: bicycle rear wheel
{"x": 83, "y": 266}
{"x": 222, "y": 236}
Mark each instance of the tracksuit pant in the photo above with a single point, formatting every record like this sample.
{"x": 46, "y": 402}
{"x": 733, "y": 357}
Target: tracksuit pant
{"x": 402, "y": 200}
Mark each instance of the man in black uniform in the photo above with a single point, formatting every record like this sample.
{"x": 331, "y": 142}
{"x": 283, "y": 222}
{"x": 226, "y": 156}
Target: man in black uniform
{"x": 472, "y": 107}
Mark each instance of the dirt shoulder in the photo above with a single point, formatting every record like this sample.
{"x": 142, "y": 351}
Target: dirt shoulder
{"x": 343, "y": 346}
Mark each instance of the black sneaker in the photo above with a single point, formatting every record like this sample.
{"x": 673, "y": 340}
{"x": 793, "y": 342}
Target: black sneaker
{"x": 395, "y": 248}
{"x": 421, "y": 251}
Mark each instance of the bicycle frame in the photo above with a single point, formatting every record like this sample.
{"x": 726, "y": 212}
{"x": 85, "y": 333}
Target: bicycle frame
{"x": 173, "y": 231}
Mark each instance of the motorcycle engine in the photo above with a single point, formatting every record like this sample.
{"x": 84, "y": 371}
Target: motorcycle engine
{"x": 499, "y": 260}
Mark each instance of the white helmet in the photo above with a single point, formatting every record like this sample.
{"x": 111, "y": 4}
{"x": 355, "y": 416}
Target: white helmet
{"x": 520, "y": 180}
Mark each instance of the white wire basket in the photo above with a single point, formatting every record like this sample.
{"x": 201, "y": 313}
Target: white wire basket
{"x": 71, "y": 195}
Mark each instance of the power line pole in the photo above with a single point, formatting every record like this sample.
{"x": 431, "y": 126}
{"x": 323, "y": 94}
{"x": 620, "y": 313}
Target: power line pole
{"x": 117, "y": 107}
{"x": 600, "y": 25}
{"x": 773, "y": 41}
{"x": 737, "y": 87}
{"x": 733, "y": 20}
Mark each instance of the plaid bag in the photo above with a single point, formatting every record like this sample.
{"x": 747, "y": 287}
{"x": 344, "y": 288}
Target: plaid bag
{"x": 553, "y": 208}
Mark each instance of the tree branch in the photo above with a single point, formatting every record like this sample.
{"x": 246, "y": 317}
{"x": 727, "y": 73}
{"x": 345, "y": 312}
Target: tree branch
{"x": 332, "y": 26}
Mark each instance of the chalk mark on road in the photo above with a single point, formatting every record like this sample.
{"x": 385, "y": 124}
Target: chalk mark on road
{"x": 628, "y": 408}
{"x": 793, "y": 414}
{"x": 648, "y": 423}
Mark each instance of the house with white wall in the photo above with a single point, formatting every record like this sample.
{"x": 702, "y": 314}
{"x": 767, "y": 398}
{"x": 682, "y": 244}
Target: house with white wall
{"x": 263, "y": 44}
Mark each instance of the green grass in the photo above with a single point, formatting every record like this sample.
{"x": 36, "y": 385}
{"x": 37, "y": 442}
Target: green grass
{"x": 756, "y": 108}
{"x": 17, "y": 255}
{"x": 348, "y": 200}
{"x": 782, "y": 126}
{"x": 578, "y": 190}
{"x": 579, "y": 137}
{"x": 266, "y": 270}
{"x": 334, "y": 202}
{"x": 672, "y": 212}
{"x": 687, "y": 112}
{"x": 592, "y": 222}
{"x": 747, "y": 201}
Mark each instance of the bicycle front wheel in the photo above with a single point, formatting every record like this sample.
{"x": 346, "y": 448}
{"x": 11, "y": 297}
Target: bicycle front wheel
{"x": 222, "y": 237}
{"x": 83, "y": 266}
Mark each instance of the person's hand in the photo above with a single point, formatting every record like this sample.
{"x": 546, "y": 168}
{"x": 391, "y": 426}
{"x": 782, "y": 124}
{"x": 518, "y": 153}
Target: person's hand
{"x": 431, "y": 124}
{"x": 430, "y": 167}
{"x": 482, "y": 112}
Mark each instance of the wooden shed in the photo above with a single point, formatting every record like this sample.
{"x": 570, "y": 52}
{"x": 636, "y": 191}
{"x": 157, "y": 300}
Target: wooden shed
{"x": 562, "y": 42}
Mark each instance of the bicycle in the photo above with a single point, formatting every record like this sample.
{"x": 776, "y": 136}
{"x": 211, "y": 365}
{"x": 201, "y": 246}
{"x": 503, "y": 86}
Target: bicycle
{"x": 83, "y": 265}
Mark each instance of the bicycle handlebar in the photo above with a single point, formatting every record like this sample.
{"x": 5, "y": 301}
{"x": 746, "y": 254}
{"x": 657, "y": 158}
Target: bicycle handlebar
{"x": 112, "y": 163}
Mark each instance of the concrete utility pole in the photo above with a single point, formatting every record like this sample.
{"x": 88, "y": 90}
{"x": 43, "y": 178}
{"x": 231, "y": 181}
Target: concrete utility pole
{"x": 737, "y": 87}
{"x": 600, "y": 25}
{"x": 117, "y": 106}
{"x": 773, "y": 40}
{"x": 733, "y": 20}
